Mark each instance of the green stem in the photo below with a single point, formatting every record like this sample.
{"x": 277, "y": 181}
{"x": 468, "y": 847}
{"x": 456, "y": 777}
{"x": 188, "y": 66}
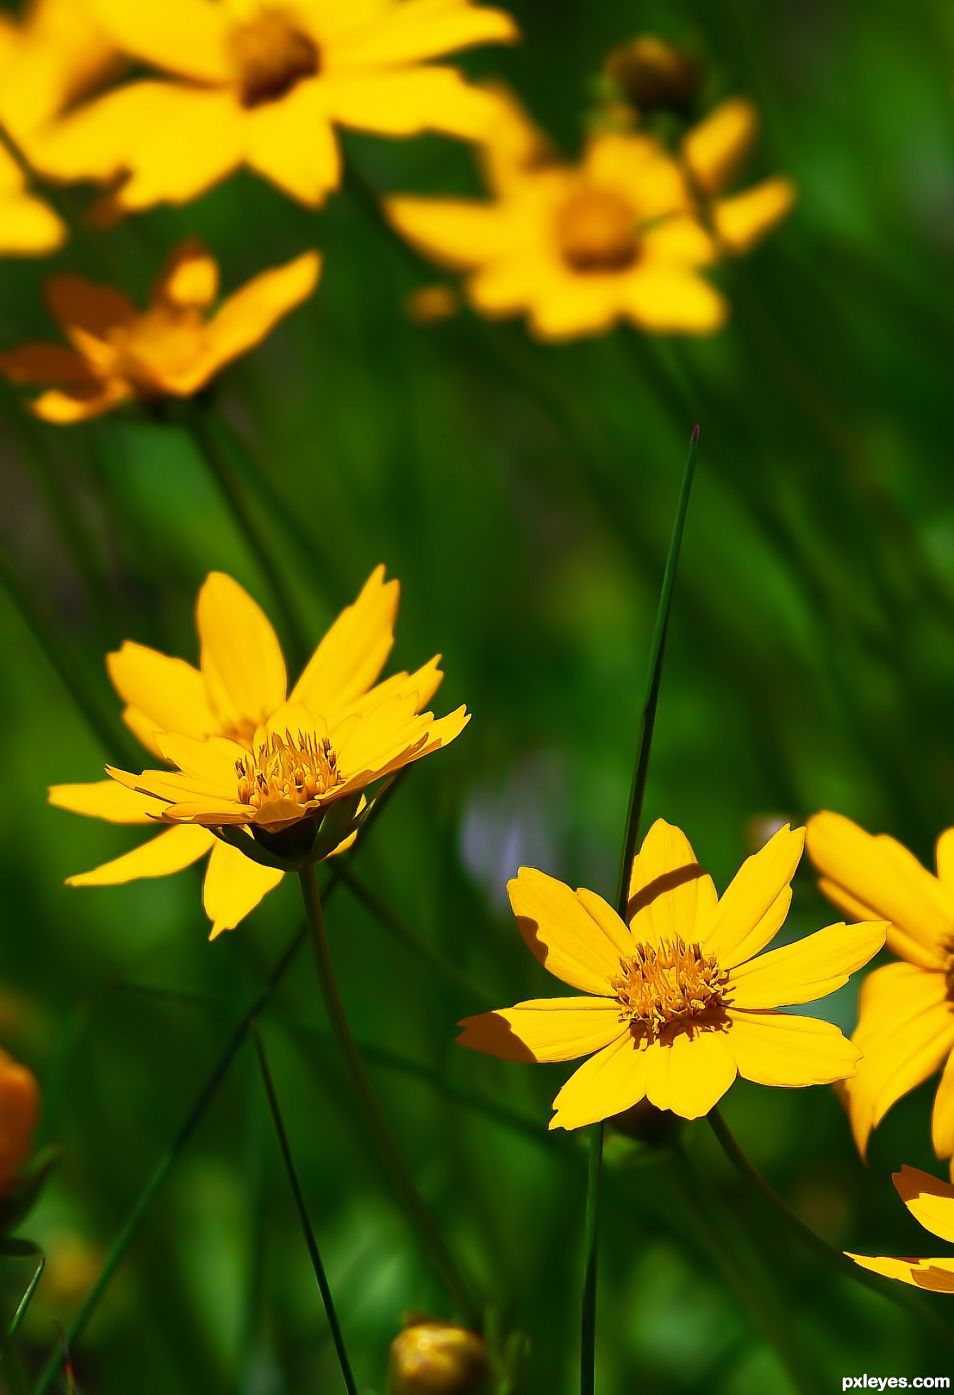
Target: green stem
{"x": 208, "y": 437}
{"x": 15, "y": 1376}
{"x": 591, "y": 1232}
{"x": 414, "y": 1205}
{"x": 887, "y": 1288}
{"x": 760, "y": 1299}
{"x": 321, "y": 1277}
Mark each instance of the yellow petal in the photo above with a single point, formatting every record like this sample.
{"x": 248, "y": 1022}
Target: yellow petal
{"x": 689, "y": 1075}
{"x": 249, "y": 316}
{"x": 808, "y": 969}
{"x": 410, "y": 100}
{"x": 28, "y": 226}
{"x": 905, "y": 1031}
{"x": 879, "y": 874}
{"x": 745, "y": 919}
{"x": 190, "y": 278}
{"x": 944, "y": 857}
{"x": 187, "y": 37}
{"x": 234, "y": 886}
{"x": 774, "y": 1048}
{"x": 513, "y": 142}
{"x": 638, "y": 168}
{"x": 419, "y": 29}
{"x": 207, "y": 765}
{"x": 104, "y": 799}
{"x": 930, "y": 1201}
{"x": 544, "y": 1029}
{"x": 666, "y": 299}
{"x": 241, "y": 659}
{"x": 935, "y": 1275}
{"x": 667, "y": 887}
{"x": 166, "y": 853}
{"x": 192, "y": 139}
{"x": 459, "y": 232}
{"x": 570, "y": 305}
{"x": 743, "y": 220}
{"x": 562, "y": 934}
{"x": 419, "y": 687}
{"x": 942, "y": 1115}
{"x": 680, "y": 239}
{"x": 609, "y": 1082}
{"x": 716, "y": 148}
{"x": 292, "y": 143}
{"x": 902, "y": 1269}
{"x": 161, "y": 694}
{"x": 354, "y": 651}
{"x": 67, "y": 407}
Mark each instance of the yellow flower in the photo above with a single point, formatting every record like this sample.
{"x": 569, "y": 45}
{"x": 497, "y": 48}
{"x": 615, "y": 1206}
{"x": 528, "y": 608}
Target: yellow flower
{"x": 237, "y": 699}
{"x": 19, "y": 1105}
{"x": 437, "y": 1358}
{"x": 119, "y": 353}
{"x": 931, "y": 1203}
{"x": 575, "y": 247}
{"x": 677, "y": 1003}
{"x": 50, "y": 57}
{"x": 906, "y": 1010}
{"x": 713, "y": 153}
{"x": 263, "y": 83}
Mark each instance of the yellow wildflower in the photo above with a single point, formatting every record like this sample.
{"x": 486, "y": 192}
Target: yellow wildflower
{"x": 48, "y": 58}
{"x": 19, "y": 1105}
{"x": 677, "y": 1003}
{"x": 437, "y": 1358}
{"x": 576, "y": 247}
{"x": 263, "y": 83}
{"x": 931, "y": 1203}
{"x": 906, "y": 1022}
{"x": 119, "y": 353}
{"x": 227, "y": 724}
{"x": 713, "y": 153}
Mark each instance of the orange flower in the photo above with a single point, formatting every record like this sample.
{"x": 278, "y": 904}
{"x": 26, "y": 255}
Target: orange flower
{"x": 19, "y": 1105}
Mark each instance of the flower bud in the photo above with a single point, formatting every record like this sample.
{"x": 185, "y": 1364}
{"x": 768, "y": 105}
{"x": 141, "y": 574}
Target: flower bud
{"x": 19, "y": 1104}
{"x": 436, "y": 1358}
{"x": 654, "y": 76}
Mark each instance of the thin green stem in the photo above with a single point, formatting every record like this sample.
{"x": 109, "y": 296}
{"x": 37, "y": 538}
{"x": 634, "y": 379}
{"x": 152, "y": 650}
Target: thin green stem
{"x": 894, "y": 1292}
{"x": 207, "y": 434}
{"x": 321, "y": 1277}
{"x": 15, "y": 1377}
{"x": 414, "y": 1205}
{"x": 591, "y": 1231}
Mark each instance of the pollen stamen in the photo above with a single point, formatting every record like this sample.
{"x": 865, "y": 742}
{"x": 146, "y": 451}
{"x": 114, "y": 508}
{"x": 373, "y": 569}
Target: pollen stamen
{"x": 287, "y": 771}
{"x": 670, "y": 988}
{"x": 271, "y": 56}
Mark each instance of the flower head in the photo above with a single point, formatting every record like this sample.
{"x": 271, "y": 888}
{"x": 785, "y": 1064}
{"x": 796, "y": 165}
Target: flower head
{"x": 931, "y": 1203}
{"x": 651, "y": 75}
{"x": 677, "y": 1002}
{"x": 118, "y": 353}
{"x": 19, "y": 1105}
{"x": 575, "y": 247}
{"x": 263, "y": 83}
{"x": 437, "y": 1358}
{"x": 48, "y": 58}
{"x": 906, "y": 1010}
{"x": 244, "y": 751}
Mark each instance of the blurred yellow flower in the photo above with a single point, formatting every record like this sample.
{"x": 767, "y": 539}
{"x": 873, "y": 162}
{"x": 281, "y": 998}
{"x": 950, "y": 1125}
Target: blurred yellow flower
{"x": 119, "y": 353}
{"x": 931, "y": 1203}
{"x": 714, "y": 152}
{"x": 437, "y": 1358}
{"x": 678, "y": 1005}
{"x": 233, "y": 697}
{"x": 19, "y": 1106}
{"x": 578, "y": 247}
{"x": 49, "y": 57}
{"x": 263, "y": 83}
{"x": 906, "y": 1022}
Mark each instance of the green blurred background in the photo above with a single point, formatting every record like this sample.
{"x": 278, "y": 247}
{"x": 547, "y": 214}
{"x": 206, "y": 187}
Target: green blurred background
{"x": 523, "y": 494}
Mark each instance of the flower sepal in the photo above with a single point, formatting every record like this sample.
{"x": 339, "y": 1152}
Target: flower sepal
{"x": 306, "y": 840}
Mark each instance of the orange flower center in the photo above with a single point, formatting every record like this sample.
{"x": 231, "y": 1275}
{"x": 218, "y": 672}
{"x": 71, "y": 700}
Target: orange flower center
{"x": 597, "y": 231}
{"x": 670, "y": 988}
{"x": 284, "y": 775}
{"x": 271, "y": 56}
{"x": 154, "y": 347}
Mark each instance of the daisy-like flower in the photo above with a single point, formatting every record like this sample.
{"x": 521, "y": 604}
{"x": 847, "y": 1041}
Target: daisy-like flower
{"x": 677, "y": 1002}
{"x": 19, "y": 1106}
{"x": 713, "y": 153}
{"x": 48, "y": 58}
{"x": 906, "y": 1010}
{"x": 118, "y": 353}
{"x": 931, "y": 1203}
{"x": 575, "y": 247}
{"x": 263, "y": 83}
{"x": 244, "y": 750}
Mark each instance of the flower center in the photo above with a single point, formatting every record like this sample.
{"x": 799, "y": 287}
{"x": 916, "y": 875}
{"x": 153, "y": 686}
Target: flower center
{"x": 670, "y": 988}
{"x": 949, "y": 970}
{"x": 271, "y": 55}
{"x": 596, "y": 230}
{"x": 284, "y": 775}
{"x": 155, "y": 346}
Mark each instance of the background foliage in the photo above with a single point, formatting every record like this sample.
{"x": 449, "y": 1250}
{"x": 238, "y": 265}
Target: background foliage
{"x": 524, "y": 495}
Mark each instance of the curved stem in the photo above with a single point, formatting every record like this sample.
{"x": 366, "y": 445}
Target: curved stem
{"x": 321, "y": 1278}
{"x": 894, "y": 1292}
{"x": 417, "y": 1211}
